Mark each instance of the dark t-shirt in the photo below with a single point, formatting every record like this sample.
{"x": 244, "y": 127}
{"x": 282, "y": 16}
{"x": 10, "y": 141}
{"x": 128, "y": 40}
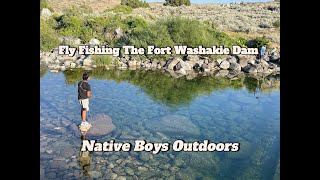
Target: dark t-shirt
{"x": 83, "y": 88}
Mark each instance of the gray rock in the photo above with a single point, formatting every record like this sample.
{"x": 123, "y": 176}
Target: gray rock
{"x": 272, "y": 65}
{"x": 168, "y": 126}
{"x": 132, "y": 63}
{"x": 110, "y": 166}
{"x": 67, "y": 63}
{"x": 111, "y": 176}
{"x": 185, "y": 65}
{"x": 200, "y": 162}
{"x": 224, "y": 64}
{"x": 144, "y": 156}
{"x": 232, "y": 59}
{"x": 62, "y": 68}
{"x": 243, "y": 63}
{"x": 182, "y": 71}
{"x": 212, "y": 65}
{"x": 171, "y": 63}
{"x": 51, "y": 175}
{"x": 274, "y": 58}
{"x": 154, "y": 64}
{"x": 101, "y": 125}
{"x": 46, "y": 59}
{"x": 72, "y": 65}
{"x": 192, "y": 60}
{"x": 94, "y": 41}
{"x": 235, "y": 66}
{"x": 129, "y": 171}
{"x": 46, "y": 13}
{"x": 95, "y": 174}
{"x": 159, "y": 66}
{"x": 223, "y": 72}
{"x": 87, "y": 62}
{"x": 219, "y": 61}
{"x": 118, "y": 32}
{"x": 121, "y": 178}
{"x": 250, "y": 69}
{"x": 251, "y": 61}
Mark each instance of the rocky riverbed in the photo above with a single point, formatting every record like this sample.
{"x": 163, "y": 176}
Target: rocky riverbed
{"x": 190, "y": 66}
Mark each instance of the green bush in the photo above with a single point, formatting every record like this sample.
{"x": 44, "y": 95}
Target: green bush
{"x": 276, "y": 24}
{"x": 102, "y": 60}
{"x": 78, "y": 11}
{"x": 120, "y": 8}
{"x": 135, "y": 3}
{"x": 48, "y": 37}
{"x": 177, "y": 2}
{"x": 258, "y": 42}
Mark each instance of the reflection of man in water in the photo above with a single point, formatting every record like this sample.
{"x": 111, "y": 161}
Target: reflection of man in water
{"x": 84, "y": 158}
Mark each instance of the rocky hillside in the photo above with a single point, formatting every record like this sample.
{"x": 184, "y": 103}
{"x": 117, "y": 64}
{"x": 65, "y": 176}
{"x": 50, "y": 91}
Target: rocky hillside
{"x": 249, "y": 18}
{"x": 96, "y": 5}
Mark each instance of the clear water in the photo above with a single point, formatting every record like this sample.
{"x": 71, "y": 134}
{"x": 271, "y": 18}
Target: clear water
{"x": 219, "y": 110}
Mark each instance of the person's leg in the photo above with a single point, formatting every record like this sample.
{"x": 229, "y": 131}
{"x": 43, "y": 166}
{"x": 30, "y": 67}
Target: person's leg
{"x": 85, "y": 108}
{"x": 83, "y": 114}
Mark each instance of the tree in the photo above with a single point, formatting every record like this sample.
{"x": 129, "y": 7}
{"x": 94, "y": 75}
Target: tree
{"x": 177, "y": 2}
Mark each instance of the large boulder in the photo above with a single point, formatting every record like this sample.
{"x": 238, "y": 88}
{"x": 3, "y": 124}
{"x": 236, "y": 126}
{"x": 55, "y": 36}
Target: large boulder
{"x": 224, "y": 64}
{"x": 185, "y": 65}
{"x": 232, "y": 59}
{"x": 46, "y": 13}
{"x": 250, "y": 69}
{"x": 235, "y": 66}
{"x": 192, "y": 60}
{"x": 243, "y": 63}
{"x": 175, "y": 125}
{"x": 101, "y": 125}
{"x": 171, "y": 63}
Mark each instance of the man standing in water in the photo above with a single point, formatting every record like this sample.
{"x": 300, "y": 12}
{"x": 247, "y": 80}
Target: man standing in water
{"x": 84, "y": 93}
{"x": 263, "y": 52}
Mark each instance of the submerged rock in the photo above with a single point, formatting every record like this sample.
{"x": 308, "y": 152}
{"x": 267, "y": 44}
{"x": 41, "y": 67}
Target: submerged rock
{"x": 101, "y": 125}
{"x": 201, "y": 162}
{"x": 175, "y": 125}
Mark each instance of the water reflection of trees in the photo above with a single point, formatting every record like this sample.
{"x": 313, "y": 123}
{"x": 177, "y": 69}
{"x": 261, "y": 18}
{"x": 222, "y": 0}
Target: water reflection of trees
{"x": 171, "y": 91}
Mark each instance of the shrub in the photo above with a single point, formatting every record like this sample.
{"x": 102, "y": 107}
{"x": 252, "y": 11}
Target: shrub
{"x": 276, "y": 24}
{"x": 120, "y": 8}
{"x": 135, "y": 3}
{"x": 102, "y": 60}
{"x": 258, "y": 42}
{"x": 48, "y": 37}
{"x": 177, "y": 2}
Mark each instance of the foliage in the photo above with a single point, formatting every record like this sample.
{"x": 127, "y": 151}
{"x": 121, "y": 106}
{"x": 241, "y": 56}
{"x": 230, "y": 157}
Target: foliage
{"x": 135, "y": 3}
{"x": 177, "y": 2}
{"x": 102, "y": 60}
{"x": 120, "y": 8}
{"x": 276, "y": 24}
{"x": 48, "y": 36}
{"x": 258, "y": 42}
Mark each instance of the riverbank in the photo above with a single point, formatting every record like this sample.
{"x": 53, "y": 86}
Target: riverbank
{"x": 190, "y": 66}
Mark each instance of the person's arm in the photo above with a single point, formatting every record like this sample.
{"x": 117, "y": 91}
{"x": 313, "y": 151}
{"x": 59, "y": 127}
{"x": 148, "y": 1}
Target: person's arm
{"x": 89, "y": 94}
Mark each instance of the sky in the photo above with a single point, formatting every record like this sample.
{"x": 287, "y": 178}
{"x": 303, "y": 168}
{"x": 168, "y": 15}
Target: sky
{"x": 215, "y": 1}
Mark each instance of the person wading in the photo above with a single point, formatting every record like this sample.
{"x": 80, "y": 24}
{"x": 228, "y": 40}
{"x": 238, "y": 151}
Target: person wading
{"x": 84, "y": 93}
